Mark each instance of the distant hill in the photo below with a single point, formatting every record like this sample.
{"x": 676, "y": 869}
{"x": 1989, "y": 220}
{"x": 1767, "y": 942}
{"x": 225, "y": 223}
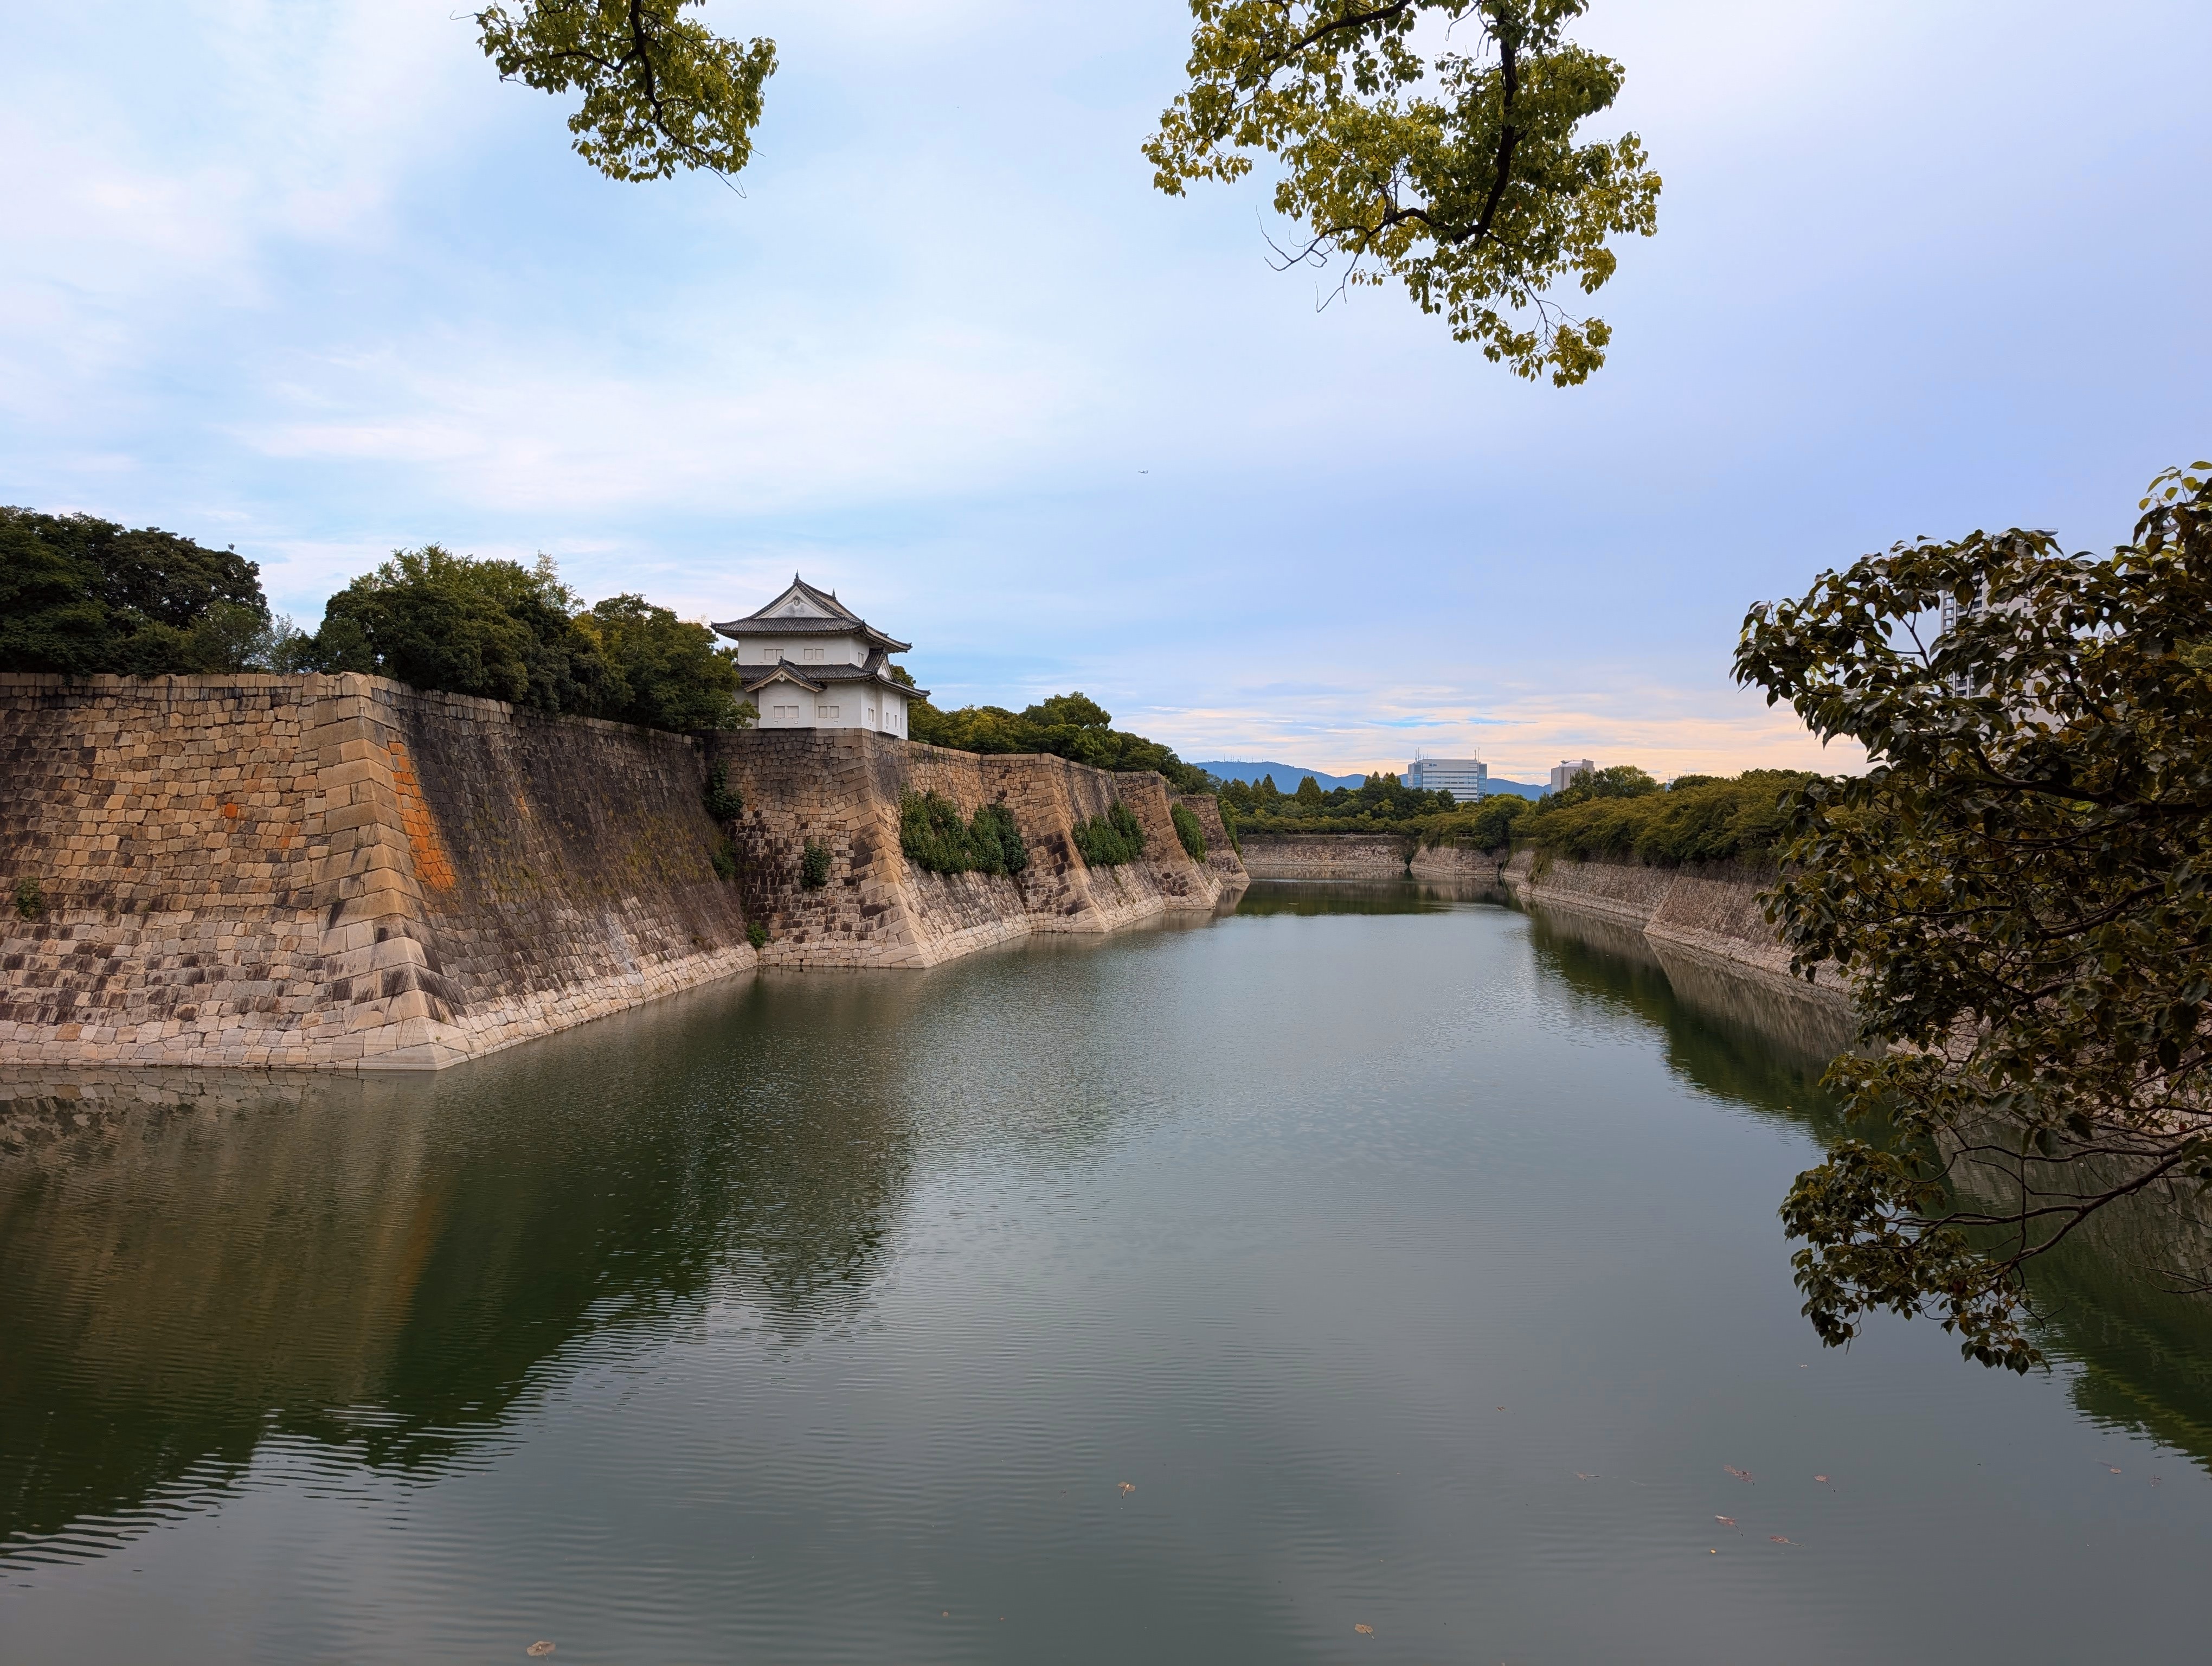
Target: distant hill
{"x": 1288, "y": 775}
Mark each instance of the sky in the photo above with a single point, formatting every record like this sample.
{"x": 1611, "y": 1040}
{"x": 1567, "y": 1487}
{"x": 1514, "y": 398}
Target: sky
{"x": 307, "y": 279}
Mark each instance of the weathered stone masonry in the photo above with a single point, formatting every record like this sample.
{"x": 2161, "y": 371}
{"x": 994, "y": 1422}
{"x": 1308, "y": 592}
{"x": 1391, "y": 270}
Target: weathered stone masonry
{"x": 842, "y": 787}
{"x": 336, "y": 872}
{"x": 343, "y": 873}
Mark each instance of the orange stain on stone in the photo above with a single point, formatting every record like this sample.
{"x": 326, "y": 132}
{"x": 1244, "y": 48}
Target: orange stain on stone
{"x": 432, "y": 868}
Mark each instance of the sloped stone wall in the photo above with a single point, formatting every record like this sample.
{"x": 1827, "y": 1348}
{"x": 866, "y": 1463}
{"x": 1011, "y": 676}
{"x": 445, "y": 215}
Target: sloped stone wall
{"x": 842, "y": 787}
{"x": 1327, "y": 856}
{"x": 343, "y": 873}
{"x": 1712, "y": 914}
{"x": 336, "y": 872}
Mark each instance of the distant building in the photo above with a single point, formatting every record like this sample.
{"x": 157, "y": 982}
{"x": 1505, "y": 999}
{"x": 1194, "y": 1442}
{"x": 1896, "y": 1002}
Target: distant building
{"x": 1568, "y": 771}
{"x": 807, "y": 661}
{"x": 1466, "y": 779}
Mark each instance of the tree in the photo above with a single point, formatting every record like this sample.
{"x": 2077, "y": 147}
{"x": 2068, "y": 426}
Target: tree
{"x": 496, "y": 630}
{"x": 1458, "y": 172}
{"x": 2019, "y": 887}
{"x": 1309, "y": 794}
{"x": 659, "y": 92}
{"x": 81, "y": 595}
{"x": 662, "y": 671}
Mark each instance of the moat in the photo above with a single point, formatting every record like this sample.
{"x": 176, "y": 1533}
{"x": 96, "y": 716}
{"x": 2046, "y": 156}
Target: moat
{"x": 1375, "y": 1272}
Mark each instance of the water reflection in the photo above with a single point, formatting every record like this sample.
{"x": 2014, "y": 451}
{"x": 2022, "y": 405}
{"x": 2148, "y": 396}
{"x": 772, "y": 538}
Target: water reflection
{"x": 1316, "y": 897}
{"x": 2105, "y": 1300}
{"x": 190, "y": 1263}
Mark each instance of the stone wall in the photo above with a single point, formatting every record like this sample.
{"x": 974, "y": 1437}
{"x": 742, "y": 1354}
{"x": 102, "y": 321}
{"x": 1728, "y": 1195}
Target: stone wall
{"x": 1222, "y": 860}
{"x": 344, "y": 873}
{"x": 1327, "y": 856}
{"x": 842, "y": 789}
{"x": 1451, "y": 861}
{"x": 336, "y": 872}
{"x": 1712, "y": 914}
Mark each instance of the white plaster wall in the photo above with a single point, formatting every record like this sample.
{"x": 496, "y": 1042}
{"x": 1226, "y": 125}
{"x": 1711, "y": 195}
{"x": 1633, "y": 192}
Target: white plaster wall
{"x": 766, "y": 650}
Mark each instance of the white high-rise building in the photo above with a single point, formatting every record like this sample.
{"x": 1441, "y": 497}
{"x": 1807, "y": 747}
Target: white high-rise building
{"x": 1570, "y": 770}
{"x": 1466, "y": 779}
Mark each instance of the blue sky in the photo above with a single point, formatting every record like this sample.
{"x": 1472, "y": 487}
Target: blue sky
{"x": 308, "y": 279}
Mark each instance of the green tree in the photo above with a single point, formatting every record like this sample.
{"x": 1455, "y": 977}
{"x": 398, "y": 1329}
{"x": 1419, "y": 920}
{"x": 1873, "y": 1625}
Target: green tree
{"x": 2019, "y": 887}
{"x": 82, "y": 595}
{"x": 1457, "y": 171}
{"x": 1309, "y": 794}
{"x": 659, "y": 92}
{"x": 662, "y": 671}
{"x": 494, "y": 628}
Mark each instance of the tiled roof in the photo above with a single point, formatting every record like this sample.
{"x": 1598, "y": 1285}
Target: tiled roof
{"x": 841, "y": 622}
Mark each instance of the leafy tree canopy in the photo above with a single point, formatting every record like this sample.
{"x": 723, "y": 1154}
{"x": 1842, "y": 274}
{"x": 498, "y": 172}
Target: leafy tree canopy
{"x": 2019, "y": 887}
{"x": 84, "y": 596}
{"x": 1070, "y": 726}
{"x": 1431, "y": 141}
{"x": 660, "y": 92}
{"x": 503, "y": 631}
{"x": 1381, "y": 801}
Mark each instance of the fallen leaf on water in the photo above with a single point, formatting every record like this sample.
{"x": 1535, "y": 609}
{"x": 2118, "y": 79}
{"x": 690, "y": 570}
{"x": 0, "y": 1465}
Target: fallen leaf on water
{"x": 1580, "y": 1476}
{"x": 1779, "y": 1540}
{"x": 1365, "y": 1630}
{"x": 1128, "y": 1486}
{"x": 1740, "y": 1475}
{"x": 2154, "y": 1480}
{"x": 2109, "y": 1467}
{"x": 1823, "y": 1479}
{"x": 1727, "y": 1520}
{"x": 540, "y": 1647}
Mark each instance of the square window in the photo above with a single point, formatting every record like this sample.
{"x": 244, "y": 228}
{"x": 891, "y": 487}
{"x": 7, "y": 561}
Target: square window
{"x": 811, "y": 655}
{"x": 826, "y": 714}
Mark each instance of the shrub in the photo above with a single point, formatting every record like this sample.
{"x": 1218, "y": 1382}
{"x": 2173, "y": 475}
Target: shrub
{"x": 756, "y": 934}
{"x": 724, "y": 856}
{"x": 1112, "y": 839}
{"x": 1187, "y": 829}
{"x": 725, "y": 804}
{"x": 935, "y": 838}
{"x": 814, "y": 865}
{"x": 30, "y": 899}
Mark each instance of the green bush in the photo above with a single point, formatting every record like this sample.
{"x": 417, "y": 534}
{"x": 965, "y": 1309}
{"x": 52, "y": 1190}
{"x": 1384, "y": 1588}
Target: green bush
{"x": 724, "y": 856}
{"x": 1112, "y": 839}
{"x": 1187, "y": 829}
{"x": 934, "y": 836}
{"x": 756, "y": 934}
{"x": 814, "y": 865}
{"x": 30, "y": 899}
{"x": 725, "y": 804}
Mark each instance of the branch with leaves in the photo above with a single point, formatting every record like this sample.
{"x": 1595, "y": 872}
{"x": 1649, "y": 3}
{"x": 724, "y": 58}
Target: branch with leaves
{"x": 1456, "y": 172}
{"x": 659, "y": 92}
{"x": 2020, "y": 888}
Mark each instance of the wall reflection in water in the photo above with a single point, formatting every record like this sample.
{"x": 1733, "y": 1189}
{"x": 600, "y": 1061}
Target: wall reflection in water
{"x": 193, "y": 1263}
{"x": 2107, "y": 1300}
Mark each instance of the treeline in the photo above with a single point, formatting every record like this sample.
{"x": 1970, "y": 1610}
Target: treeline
{"x": 84, "y": 596}
{"x": 1070, "y": 726}
{"x": 1622, "y": 814}
{"x": 1381, "y": 803}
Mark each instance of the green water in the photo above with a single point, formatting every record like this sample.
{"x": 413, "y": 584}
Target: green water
{"x": 1373, "y": 1256}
